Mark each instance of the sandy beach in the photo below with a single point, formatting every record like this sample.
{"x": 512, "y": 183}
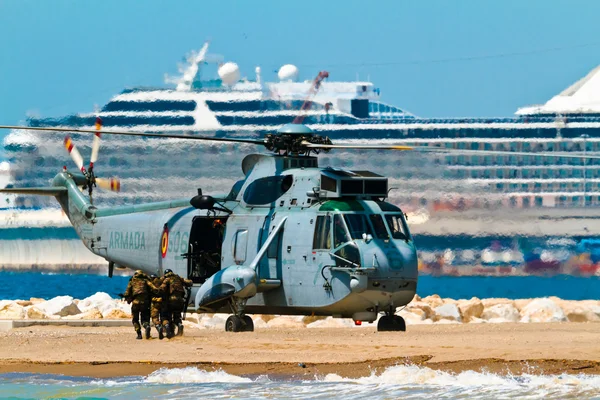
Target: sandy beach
{"x": 544, "y": 348}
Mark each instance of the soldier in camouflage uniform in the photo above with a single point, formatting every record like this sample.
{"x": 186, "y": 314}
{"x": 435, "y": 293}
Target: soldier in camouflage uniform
{"x": 158, "y": 307}
{"x": 174, "y": 287}
{"x": 138, "y": 295}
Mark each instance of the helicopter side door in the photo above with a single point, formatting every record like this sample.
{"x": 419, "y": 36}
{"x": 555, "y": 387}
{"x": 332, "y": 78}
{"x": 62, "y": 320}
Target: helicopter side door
{"x": 205, "y": 247}
{"x": 270, "y": 265}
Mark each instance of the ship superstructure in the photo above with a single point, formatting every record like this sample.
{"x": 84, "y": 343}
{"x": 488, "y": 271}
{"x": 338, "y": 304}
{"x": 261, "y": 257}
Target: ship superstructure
{"x": 352, "y": 112}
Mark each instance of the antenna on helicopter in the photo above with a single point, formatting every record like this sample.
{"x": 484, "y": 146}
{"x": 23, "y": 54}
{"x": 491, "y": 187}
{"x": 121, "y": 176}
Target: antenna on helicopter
{"x": 91, "y": 180}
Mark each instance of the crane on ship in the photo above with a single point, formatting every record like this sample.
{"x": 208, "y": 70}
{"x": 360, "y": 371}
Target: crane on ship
{"x": 309, "y": 97}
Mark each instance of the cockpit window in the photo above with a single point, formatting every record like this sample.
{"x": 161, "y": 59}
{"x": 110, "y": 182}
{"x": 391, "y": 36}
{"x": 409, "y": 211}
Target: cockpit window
{"x": 357, "y": 225}
{"x": 379, "y": 226}
{"x": 322, "y": 239}
{"x": 340, "y": 235}
{"x": 397, "y": 226}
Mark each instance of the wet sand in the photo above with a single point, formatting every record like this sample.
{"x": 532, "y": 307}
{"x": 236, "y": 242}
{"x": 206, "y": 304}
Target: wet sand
{"x": 551, "y": 348}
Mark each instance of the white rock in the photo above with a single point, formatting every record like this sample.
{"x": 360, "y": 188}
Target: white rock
{"x": 423, "y": 322}
{"x": 95, "y": 300}
{"x": 434, "y": 300}
{"x": 60, "y": 305}
{"x": 116, "y": 313}
{"x": 11, "y": 310}
{"x": 475, "y": 320}
{"x": 542, "y": 310}
{"x": 259, "y": 323}
{"x": 285, "y": 322}
{"x": 415, "y": 314}
{"x": 488, "y": 303}
{"x": 35, "y": 313}
{"x": 470, "y": 309}
{"x": 215, "y": 321}
{"x": 94, "y": 313}
{"x": 420, "y": 305}
{"x": 330, "y": 322}
{"x": 446, "y": 322}
{"x": 448, "y": 311}
{"x": 501, "y": 311}
{"x": 498, "y": 320}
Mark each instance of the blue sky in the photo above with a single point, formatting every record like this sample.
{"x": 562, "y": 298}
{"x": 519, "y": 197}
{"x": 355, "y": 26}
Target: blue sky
{"x": 428, "y": 56}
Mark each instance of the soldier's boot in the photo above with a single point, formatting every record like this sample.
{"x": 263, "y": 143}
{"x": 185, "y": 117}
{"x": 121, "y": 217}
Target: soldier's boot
{"x": 147, "y": 327}
{"x": 160, "y": 332}
{"x": 139, "y": 333}
{"x": 168, "y": 331}
{"x": 179, "y": 329}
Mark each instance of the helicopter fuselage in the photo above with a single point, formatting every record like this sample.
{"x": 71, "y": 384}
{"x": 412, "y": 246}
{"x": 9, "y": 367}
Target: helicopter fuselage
{"x": 340, "y": 255}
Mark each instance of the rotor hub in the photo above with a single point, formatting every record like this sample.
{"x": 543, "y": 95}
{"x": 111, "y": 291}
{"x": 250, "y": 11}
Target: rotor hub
{"x": 293, "y": 139}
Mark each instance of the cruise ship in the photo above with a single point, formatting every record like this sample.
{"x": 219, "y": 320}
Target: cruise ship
{"x": 473, "y": 195}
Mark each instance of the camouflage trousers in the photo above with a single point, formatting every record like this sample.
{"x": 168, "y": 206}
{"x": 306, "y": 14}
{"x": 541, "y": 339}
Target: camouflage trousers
{"x": 140, "y": 308}
{"x": 176, "y": 305}
{"x": 158, "y": 313}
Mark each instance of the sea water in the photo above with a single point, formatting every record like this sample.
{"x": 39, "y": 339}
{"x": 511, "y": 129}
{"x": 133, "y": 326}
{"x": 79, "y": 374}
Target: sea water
{"x": 407, "y": 382}
{"x": 23, "y": 285}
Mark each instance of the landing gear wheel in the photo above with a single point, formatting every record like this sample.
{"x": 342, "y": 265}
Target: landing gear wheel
{"x": 248, "y": 324}
{"x": 384, "y": 324}
{"x": 394, "y": 323}
{"x": 399, "y": 324}
{"x": 233, "y": 324}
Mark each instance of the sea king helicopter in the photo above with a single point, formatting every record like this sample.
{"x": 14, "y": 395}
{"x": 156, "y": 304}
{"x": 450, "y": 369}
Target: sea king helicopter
{"x": 290, "y": 237}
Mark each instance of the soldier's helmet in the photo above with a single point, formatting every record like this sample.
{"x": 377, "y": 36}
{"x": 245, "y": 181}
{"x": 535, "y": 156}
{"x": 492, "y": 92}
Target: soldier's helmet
{"x": 139, "y": 272}
{"x": 153, "y": 276}
{"x": 168, "y": 271}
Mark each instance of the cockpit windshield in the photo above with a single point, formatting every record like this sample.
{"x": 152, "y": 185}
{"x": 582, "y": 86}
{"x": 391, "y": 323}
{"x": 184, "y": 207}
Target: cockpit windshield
{"x": 357, "y": 225}
{"x": 379, "y": 226}
{"x": 397, "y": 226}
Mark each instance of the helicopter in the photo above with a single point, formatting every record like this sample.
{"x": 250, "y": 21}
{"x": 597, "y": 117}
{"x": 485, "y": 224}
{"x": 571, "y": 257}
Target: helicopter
{"x": 290, "y": 237}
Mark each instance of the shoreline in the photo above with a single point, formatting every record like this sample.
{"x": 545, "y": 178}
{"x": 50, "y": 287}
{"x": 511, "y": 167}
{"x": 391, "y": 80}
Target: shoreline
{"x": 292, "y": 371}
{"x": 291, "y": 352}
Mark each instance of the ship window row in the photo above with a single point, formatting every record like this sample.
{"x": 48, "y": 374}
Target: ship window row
{"x": 514, "y": 160}
{"x": 261, "y": 105}
{"x": 527, "y": 201}
{"x": 524, "y": 173}
{"x": 539, "y": 187}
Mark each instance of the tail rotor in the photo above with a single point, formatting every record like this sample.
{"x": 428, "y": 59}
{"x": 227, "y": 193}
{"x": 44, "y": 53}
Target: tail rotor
{"x": 112, "y": 184}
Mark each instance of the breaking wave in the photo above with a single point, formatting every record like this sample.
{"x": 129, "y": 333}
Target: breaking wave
{"x": 409, "y": 382}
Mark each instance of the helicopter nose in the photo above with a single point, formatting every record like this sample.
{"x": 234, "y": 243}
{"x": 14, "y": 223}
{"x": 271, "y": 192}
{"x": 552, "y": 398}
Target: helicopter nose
{"x": 391, "y": 258}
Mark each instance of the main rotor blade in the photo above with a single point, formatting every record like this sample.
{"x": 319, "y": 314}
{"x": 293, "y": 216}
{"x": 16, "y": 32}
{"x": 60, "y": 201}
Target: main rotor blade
{"x": 577, "y": 155}
{"x": 143, "y": 134}
{"x": 562, "y": 154}
{"x": 74, "y": 153}
{"x": 96, "y": 143}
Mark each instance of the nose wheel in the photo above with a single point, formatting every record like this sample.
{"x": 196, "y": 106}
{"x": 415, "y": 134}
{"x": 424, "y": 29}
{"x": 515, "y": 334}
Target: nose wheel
{"x": 239, "y": 324}
{"x": 391, "y": 323}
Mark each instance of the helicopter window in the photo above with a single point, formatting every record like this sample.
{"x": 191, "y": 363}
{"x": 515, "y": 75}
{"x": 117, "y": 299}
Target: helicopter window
{"x": 267, "y": 190}
{"x": 340, "y": 235}
{"x": 357, "y": 225}
{"x": 348, "y": 256}
{"x": 241, "y": 242}
{"x": 379, "y": 226}
{"x": 322, "y": 238}
{"x": 397, "y": 226}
